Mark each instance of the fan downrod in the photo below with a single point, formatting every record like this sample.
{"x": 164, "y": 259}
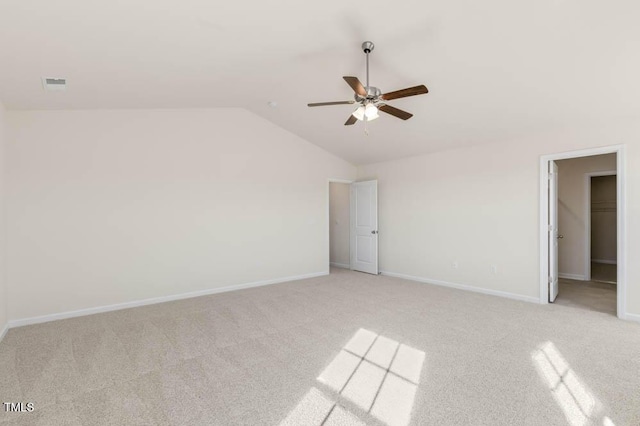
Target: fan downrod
{"x": 373, "y": 93}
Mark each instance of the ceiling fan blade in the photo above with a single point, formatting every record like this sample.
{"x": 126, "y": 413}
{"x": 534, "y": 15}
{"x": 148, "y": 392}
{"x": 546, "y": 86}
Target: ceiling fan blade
{"x": 356, "y": 86}
{"x": 331, "y": 103}
{"x": 351, "y": 120}
{"x": 410, "y": 91}
{"x": 404, "y": 115}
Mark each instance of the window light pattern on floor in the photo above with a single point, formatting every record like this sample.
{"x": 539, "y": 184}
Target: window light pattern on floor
{"x": 578, "y": 404}
{"x": 376, "y": 373}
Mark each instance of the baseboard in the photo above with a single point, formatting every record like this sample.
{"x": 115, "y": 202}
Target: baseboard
{"x": 341, "y": 265}
{"x": 4, "y": 332}
{"x": 134, "y": 304}
{"x": 572, "y": 276}
{"x": 608, "y": 262}
{"x": 632, "y": 317}
{"x": 464, "y": 287}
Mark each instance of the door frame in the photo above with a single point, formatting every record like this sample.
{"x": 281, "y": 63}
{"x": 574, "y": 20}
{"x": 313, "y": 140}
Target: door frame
{"x": 621, "y": 162}
{"x": 587, "y": 218}
{"x": 553, "y": 234}
{"x": 329, "y": 182}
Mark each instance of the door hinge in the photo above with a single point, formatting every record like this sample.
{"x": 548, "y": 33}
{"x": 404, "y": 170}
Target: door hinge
{"x": 550, "y": 280}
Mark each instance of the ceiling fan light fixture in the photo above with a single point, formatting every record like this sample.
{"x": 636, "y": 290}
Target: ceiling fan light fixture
{"x": 371, "y": 112}
{"x": 359, "y": 113}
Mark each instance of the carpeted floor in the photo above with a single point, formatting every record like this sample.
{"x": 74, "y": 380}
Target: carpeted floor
{"x": 348, "y": 348}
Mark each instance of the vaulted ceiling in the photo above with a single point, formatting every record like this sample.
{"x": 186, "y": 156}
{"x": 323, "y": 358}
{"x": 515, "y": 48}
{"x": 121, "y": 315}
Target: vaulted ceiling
{"x": 496, "y": 69}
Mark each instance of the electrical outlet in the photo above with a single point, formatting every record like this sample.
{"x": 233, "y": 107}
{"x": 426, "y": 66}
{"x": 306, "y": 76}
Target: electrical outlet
{"x": 494, "y": 269}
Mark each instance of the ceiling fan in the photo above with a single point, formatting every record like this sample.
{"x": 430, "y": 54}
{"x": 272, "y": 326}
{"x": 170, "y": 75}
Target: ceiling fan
{"x": 370, "y": 99}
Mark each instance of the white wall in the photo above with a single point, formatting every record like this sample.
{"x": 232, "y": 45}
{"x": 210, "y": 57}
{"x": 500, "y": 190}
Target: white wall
{"x": 604, "y": 241}
{"x": 572, "y": 214}
{"x": 479, "y": 206}
{"x": 106, "y": 207}
{"x": 339, "y": 223}
{"x": 4, "y": 305}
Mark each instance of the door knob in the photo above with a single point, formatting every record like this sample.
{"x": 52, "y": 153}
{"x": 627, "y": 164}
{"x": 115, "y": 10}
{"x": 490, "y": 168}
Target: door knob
{"x": 374, "y": 232}
{"x": 560, "y": 236}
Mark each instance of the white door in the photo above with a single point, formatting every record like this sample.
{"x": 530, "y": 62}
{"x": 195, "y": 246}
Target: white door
{"x": 364, "y": 226}
{"x": 553, "y": 231}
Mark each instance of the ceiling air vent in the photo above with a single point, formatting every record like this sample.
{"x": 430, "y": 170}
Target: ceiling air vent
{"x": 54, "y": 83}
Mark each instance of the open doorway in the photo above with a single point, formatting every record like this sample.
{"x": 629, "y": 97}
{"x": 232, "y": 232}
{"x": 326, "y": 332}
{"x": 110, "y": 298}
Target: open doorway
{"x": 353, "y": 225}
{"x": 587, "y": 232}
{"x": 582, "y": 236}
{"x": 339, "y": 231}
{"x": 602, "y": 206}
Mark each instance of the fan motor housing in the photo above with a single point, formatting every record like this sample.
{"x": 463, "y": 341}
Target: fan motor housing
{"x": 372, "y": 94}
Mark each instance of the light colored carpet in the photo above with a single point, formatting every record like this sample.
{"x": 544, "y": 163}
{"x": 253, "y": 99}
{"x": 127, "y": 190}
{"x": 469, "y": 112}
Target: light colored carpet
{"x": 595, "y": 296}
{"x": 348, "y": 348}
{"x": 604, "y": 272}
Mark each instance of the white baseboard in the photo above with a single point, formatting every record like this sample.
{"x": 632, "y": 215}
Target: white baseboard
{"x": 572, "y": 276}
{"x": 4, "y": 332}
{"x": 632, "y": 317}
{"x": 134, "y": 304}
{"x": 464, "y": 287}
{"x": 608, "y": 262}
{"x": 341, "y": 265}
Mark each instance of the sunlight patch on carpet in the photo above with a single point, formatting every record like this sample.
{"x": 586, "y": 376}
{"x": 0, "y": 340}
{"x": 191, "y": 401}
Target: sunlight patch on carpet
{"x": 377, "y": 374}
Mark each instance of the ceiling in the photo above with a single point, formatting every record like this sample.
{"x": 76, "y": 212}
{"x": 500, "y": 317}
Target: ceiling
{"x": 496, "y": 69}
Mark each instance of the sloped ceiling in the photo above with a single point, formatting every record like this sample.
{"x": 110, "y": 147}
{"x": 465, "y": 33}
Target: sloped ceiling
{"x": 496, "y": 69}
